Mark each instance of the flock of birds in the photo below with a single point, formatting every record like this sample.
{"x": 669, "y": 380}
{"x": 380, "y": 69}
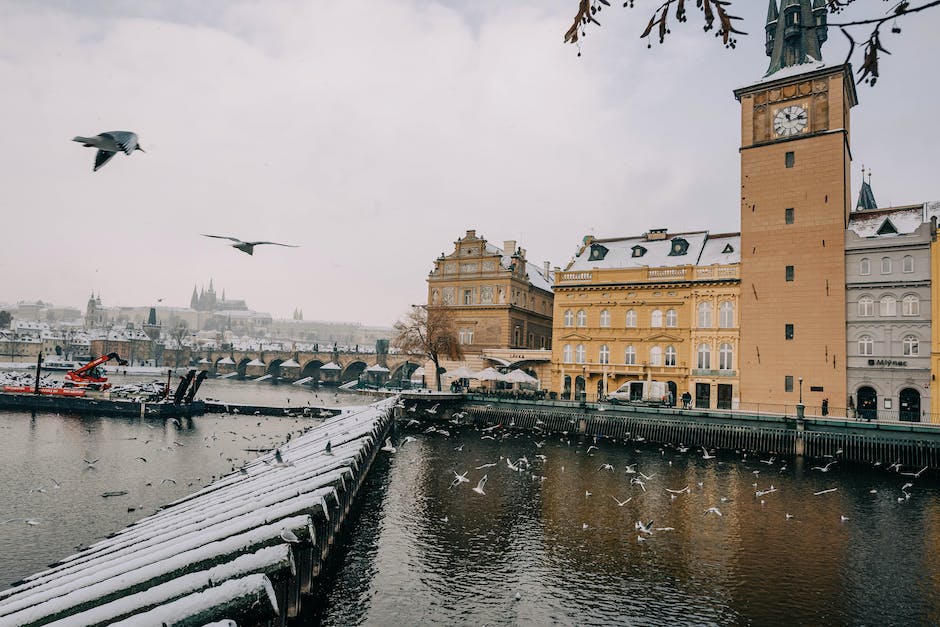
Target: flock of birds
{"x": 642, "y": 485}
{"x": 110, "y": 143}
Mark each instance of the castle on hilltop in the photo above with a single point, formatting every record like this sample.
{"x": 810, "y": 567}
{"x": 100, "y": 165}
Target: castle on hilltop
{"x": 206, "y": 300}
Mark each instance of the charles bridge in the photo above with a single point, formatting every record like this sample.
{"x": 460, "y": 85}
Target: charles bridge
{"x": 329, "y": 366}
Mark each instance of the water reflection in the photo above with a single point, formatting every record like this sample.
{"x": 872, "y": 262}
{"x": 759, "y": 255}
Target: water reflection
{"x": 426, "y": 553}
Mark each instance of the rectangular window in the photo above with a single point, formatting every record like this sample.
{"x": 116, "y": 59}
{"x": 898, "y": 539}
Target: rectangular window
{"x": 789, "y": 273}
{"x": 788, "y": 332}
{"x": 788, "y": 383}
{"x": 468, "y": 297}
{"x": 790, "y": 159}
{"x": 788, "y": 215}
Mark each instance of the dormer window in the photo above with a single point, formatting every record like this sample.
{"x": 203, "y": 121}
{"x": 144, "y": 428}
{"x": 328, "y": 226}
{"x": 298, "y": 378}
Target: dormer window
{"x": 679, "y": 247}
{"x": 598, "y": 252}
{"x": 728, "y": 249}
{"x": 638, "y": 251}
{"x": 887, "y": 228}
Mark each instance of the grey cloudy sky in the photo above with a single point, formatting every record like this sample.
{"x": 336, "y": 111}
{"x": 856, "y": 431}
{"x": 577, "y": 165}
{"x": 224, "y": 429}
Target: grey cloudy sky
{"x": 373, "y": 134}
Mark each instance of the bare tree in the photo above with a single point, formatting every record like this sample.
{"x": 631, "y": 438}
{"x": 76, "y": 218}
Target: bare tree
{"x": 180, "y": 331}
{"x": 716, "y": 13}
{"x": 428, "y": 331}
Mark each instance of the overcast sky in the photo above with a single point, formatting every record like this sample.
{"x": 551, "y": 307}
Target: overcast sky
{"x": 373, "y": 134}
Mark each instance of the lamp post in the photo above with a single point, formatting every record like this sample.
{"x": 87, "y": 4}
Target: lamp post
{"x": 801, "y": 390}
{"x": 800, "y": 409}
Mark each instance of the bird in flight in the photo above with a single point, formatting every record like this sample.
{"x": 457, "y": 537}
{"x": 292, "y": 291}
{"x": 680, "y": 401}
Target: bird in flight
{"x": 247, "y": 247}
{"x": 109, "y": 144}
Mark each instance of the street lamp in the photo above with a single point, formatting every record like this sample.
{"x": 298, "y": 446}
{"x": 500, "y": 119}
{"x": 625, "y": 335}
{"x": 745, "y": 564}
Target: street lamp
{"x": 801, "y": 390}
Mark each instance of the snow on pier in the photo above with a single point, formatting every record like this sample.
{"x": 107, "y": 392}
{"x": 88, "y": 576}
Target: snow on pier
{"x": 245, "y": 548}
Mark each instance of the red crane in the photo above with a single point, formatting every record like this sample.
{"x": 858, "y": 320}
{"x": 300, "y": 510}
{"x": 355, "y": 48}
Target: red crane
{"x": 90, "y": 375}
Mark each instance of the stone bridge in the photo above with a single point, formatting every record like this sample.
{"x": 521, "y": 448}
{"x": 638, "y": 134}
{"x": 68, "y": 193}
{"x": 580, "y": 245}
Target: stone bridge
{"x": 329, "y": 367}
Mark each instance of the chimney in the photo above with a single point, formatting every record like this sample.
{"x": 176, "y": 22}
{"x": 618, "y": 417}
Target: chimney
{"x": 546, "y": 270}
{"x": 509, "y": 247}
{"x": 656, "y": 234}
{"x": 471, "y": 234}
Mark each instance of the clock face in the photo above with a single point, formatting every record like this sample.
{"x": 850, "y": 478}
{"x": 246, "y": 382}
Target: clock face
{"x": 790, "y": 120}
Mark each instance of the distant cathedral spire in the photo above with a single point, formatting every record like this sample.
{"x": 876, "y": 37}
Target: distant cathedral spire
{"x": 795, "y": 33}
{"x": 194, "y": 301}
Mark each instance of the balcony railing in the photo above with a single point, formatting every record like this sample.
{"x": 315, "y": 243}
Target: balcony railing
{"x": 641, "y": 275}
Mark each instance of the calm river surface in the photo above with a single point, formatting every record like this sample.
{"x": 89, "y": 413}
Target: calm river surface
{"x": 426, "y": 553}
{"x": 536, "y": 549}
{"x": 44, "y": 478}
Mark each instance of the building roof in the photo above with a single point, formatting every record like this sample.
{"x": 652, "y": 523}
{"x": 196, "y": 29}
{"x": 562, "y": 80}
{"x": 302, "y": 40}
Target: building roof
{"x": 890, "y": 222}
{"x": 536, "y": 274}
{"x": 866, "y": 198}
{"x": 643, "y": 252}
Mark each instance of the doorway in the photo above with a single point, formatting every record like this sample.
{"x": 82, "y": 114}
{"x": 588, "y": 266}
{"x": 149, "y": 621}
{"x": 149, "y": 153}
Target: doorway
{"x": 909, "y": 405}
{"x": 703, "y": 395}
{"x": 867, "y": 403}
{"x": 724, "y": 396}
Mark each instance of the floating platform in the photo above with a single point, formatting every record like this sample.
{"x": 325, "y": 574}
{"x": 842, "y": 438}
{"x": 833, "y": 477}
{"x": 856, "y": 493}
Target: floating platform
{"x": 98, "y": 406}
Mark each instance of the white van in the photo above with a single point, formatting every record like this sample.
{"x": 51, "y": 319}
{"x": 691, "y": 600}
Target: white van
{"x": 641, "y": 393}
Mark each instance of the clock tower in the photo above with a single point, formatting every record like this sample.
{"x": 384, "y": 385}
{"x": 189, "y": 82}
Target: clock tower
{"x": 795, "y": 184}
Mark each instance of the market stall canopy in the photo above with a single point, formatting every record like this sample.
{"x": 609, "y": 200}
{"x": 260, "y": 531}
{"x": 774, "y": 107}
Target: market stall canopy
{"x": 489, "y": 374}
{"x": 461, "y": 373}
{"x": 518, "y": 376}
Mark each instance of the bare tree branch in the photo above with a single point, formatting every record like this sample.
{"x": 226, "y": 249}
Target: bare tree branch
{"x": 428, "y": 331}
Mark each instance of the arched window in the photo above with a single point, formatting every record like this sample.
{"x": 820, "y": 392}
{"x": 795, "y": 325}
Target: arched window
{"x": 580, "y": 354}
{"x": 908, "y": 265}
{"x": 704, "y": 315}
{"x": 725, "y": 357}
{"x": 656, "y": 318}
{"x": 911, "y": 346}
{"x": 864, "y": 267}
{"x": 604, "y": 354}
{"x": 910, "y": 306}
{"x": 704, "y": 357}
{"x": 866, "y": 306}
{"x": 726, "y": 315}
{"x": 886, "y": 265}
{"x": 670, "y": 355}
{"x": 569, "y": 318}
{"x": 656, "y": 356}
{"x": 605, "y": 318}
{"x": 582, "y": 318}
{"x": 889, "y": 306}
{"x": 866, "y": 345}
{"x": 672, "y": 318}
{"x": 631, "y": 318}
{"x": 630, "y": 356}
{"x": 566, "y": 354}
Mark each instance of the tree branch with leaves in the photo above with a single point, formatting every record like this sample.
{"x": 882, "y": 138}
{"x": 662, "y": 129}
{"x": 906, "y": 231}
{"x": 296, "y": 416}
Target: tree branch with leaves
{"x": 716, "y": 16}
{"x": 428, "y": 331}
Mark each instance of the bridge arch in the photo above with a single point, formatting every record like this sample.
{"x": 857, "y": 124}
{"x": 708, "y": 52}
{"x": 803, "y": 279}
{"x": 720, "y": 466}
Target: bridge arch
{"x": 353, "y": 370}
{"x": 274, "y": 368}
{"x": 402, "y": 372}
{"x": 242, "y": 367}
{"x": 311, "y": 369}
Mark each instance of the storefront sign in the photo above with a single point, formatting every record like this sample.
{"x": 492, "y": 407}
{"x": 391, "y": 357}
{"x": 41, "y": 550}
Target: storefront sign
{"x": 887, "y": 363}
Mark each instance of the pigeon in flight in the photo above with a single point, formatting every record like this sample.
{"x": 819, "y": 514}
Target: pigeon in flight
{"x": 109, "y": 144}
{"x": 246, "y": 247}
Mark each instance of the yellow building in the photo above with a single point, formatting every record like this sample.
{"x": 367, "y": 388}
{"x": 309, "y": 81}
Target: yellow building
{"x": 501, "y": 304}
{"x": 795, "y": 160}
{"x": 660, "y": 307}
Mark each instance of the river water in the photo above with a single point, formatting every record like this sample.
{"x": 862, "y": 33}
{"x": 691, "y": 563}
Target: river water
{"x": 547, "y": 545}
{"x": 550, "y": 545}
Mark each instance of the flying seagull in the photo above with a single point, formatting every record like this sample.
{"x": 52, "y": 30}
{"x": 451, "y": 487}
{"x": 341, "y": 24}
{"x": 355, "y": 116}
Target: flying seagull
{"x": 246, "y": 247}
{"x": 109, "y": 144}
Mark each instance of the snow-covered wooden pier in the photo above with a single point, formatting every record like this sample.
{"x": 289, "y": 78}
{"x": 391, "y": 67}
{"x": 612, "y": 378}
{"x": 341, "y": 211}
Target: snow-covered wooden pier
{"x": 248, "y": 547}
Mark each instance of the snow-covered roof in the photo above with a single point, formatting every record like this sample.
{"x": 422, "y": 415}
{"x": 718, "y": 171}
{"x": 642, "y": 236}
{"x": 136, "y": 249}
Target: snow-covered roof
{"x": 377, "y": 368}
{"x": 331, "y": 366}
{"x": 290, "y": 363}
{"x": 793, "y": 70}
{"x": 655, "y": 253}
{"x": 256, "y": 362}
{"x": 536, "y": 274}
{"x": 228, "y": 361}
{"x": 890, "y": 222}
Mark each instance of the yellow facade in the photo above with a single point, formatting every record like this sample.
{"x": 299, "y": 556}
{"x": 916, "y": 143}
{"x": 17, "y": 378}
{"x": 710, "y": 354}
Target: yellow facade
{"x": 934, "y": 329}
{"x": 794, "y": 211}
{"x": 614, "y": 325}
{"x": 499, "y": 302}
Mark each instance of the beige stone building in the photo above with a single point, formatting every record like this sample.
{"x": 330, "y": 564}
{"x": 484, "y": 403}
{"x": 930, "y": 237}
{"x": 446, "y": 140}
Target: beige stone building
{"x": 660, "y": 307}
{"x": 501, "y": 303}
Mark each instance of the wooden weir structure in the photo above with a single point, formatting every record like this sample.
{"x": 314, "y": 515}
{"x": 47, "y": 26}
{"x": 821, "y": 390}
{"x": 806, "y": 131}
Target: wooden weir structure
{"x": 913, "y": 445}
{"x": 248, "y": 547}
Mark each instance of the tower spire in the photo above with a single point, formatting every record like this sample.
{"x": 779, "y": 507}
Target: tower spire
{"x": 866, "y": 197}
{"x": 795, "y": 33}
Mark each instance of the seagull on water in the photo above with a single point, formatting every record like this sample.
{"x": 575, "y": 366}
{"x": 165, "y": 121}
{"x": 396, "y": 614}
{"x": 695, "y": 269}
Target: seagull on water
{"x": 705, "y": 454}
{"x": 913, "y": 474}
{"x": 479, "y": 488}
{"x": 247, "y": 247}
{"x": 621, "y": 503}
{"x": 109, "y": 144}
{"x": 458, "y": 479}
{"x": 644, "y": 528}
{"x": 388, "y": 446}
{"x": 712, "y": 510}
{"x": 823, "y": 468}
